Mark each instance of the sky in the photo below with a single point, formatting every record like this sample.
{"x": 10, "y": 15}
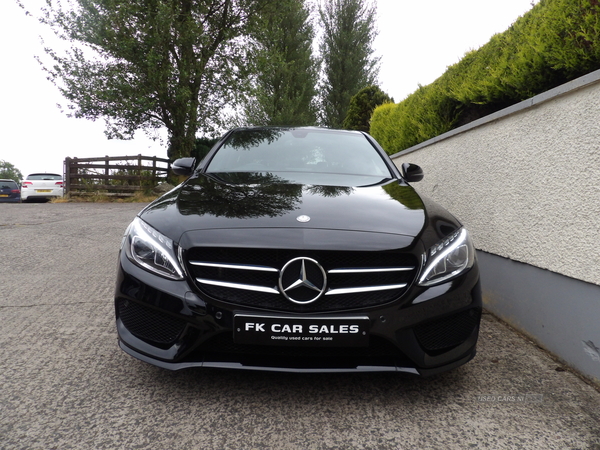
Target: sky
{"x": 417, "y": 41}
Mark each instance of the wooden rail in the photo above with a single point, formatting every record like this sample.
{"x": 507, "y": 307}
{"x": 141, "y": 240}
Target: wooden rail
{"x": 114, "y": 175}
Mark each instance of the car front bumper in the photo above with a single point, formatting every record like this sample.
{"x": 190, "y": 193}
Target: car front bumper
{"x": 167, "y": 324}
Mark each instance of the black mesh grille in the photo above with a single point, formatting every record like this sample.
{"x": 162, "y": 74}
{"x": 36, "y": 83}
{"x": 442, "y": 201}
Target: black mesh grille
{"x": 223, "y": 344}
{"x": 448, "y": 332}
{"x": 278, "y": 258}
{"x": 149, "y": 324}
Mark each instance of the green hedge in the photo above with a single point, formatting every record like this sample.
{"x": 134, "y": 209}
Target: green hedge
{"x": 555, "y": 42}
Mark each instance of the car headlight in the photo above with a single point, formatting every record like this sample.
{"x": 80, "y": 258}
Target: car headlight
{"x": 151, "y": 250}
{"x": 448, "y": 258}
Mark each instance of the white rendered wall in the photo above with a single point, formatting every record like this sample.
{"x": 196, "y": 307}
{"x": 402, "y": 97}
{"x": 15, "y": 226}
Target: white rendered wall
{"x": 526, "y": 180}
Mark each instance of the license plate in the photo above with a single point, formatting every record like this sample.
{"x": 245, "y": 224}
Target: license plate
{"x": 3, "y": 195}
{"x": 43, "y": 190}
{"x": 307, "y": 332}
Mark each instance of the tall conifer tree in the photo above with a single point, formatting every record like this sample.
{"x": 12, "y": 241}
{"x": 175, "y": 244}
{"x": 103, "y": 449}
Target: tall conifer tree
{"x": 285, "y": 78}
{"x": 347, "y": 51}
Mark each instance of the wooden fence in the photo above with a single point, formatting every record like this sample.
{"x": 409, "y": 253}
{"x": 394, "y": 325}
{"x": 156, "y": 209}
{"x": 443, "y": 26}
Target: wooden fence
{"x": 114, "y": 175}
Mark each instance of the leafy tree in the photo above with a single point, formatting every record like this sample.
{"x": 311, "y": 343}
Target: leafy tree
{"x": 285, "y": 70}
{"x": 348, "y": 61}
{"x": 148, "y": 64}
{"x": 9, "y": 171}
{"x": 362, "y": 106}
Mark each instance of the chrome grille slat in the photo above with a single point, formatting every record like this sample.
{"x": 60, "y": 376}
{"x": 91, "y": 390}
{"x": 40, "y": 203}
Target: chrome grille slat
{"x": 249, "y": 287}
{"x": 234, "y": 266}
{"x": 372, "y": 270}
{"x": 358, "y": 290}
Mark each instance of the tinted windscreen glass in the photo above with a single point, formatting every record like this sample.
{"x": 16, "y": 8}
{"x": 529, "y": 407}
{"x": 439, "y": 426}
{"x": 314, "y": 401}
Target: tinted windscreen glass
{"x": 301, "y": 150}
{"x": 8, "y": 185}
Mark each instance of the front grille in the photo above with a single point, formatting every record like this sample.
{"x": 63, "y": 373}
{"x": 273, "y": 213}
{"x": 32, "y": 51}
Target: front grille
{"x": 250, "y": 277}
{"x": 149, "y": 324}
{"x": 448, "y": 332}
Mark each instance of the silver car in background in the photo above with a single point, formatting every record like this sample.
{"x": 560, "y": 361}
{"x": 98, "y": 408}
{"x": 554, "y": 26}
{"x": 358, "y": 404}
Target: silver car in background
{"x": 42, "y": 186}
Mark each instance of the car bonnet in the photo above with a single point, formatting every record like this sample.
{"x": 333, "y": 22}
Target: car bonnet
{"x": 210, "y": 203}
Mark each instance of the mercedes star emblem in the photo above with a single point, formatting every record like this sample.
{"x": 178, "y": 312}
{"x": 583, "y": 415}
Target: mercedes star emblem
{"x": 302, "y": 280}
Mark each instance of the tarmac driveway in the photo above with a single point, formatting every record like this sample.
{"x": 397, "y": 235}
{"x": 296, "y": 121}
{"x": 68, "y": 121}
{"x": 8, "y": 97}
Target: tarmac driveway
{"x": 65, "y": 384}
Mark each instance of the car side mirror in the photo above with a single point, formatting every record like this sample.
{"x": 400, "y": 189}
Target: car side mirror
{"x": 412, "y": 173}
{"x": 183, "y": 166}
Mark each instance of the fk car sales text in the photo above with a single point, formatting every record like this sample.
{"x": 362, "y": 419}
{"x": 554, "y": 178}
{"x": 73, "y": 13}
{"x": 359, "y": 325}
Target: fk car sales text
{"x": 297, "y": 328}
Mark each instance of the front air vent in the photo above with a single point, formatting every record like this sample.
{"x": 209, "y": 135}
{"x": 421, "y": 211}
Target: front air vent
{"x": 442, "y": 334}
{"x": 149, "y": 324}
{"x": 250, "y": 277}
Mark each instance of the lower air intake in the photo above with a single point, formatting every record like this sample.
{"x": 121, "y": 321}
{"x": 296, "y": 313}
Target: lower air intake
{"x": 448, "y": 332}
{"x": 148, "y": 324}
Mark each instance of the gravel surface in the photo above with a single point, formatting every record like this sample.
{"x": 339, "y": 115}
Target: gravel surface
{"x": 65, "y": 384}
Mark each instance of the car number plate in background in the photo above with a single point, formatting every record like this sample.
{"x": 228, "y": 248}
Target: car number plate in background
{"x": 43, "y": 190}
{"x": 310, "y": 332}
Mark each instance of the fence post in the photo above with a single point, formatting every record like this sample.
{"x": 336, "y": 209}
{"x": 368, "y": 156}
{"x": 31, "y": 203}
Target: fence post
{"x": 106, "y": 172}
{"x": 73, "y": 171}
{"x": 66, "y": 175}
{"x": 154, "y": 177}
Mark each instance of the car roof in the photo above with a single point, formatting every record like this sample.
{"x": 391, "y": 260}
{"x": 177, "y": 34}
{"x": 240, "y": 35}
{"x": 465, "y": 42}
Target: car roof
{"x": 331, "y": 130}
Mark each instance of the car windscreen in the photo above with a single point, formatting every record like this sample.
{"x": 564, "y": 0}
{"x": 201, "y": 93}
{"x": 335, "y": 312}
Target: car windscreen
{"x": 44, "y": 176}
{"x": 298, "y": 150}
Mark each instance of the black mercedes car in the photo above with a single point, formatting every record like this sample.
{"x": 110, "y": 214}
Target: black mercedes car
{"x": 298, "y": 249}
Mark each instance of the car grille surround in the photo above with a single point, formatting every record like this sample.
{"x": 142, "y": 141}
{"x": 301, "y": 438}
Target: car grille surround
{"x": 251, "y": 277}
